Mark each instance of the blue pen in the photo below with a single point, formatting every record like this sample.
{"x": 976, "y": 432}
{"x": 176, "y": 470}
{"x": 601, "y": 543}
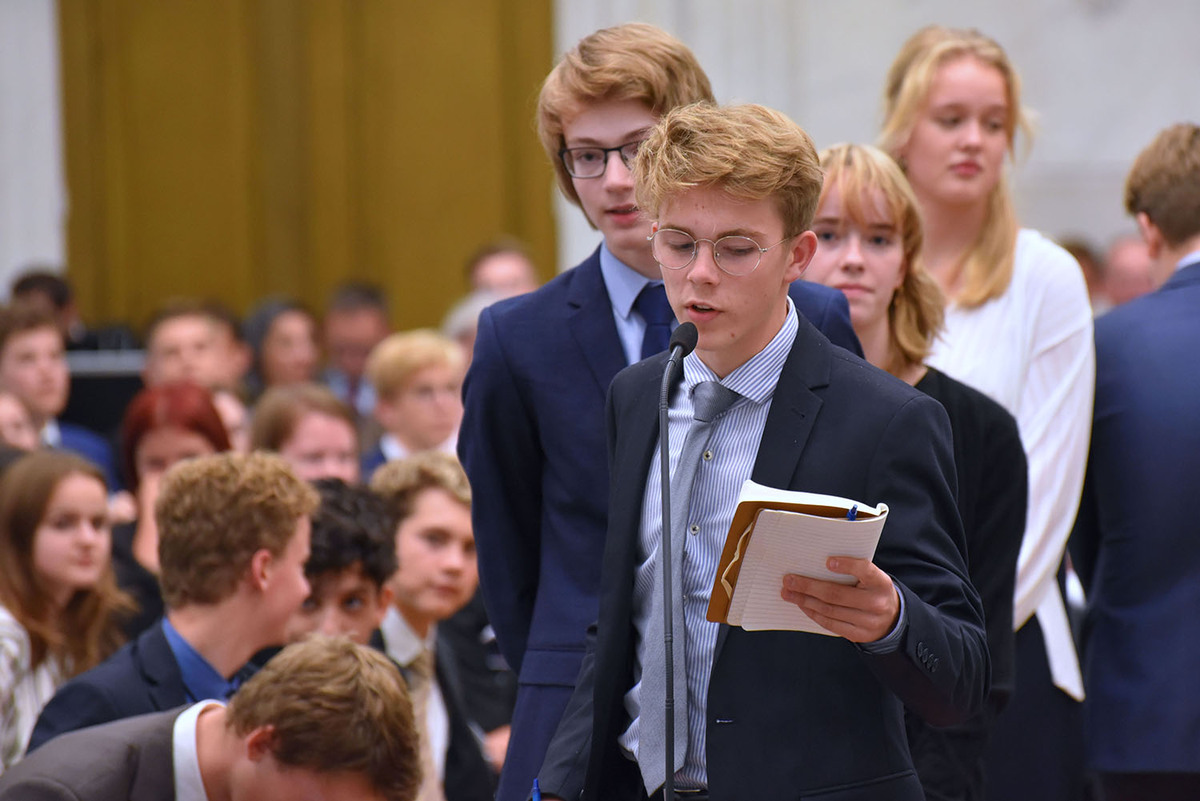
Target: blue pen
{"x": 537, "y": 793}
{"x": 853, "y": 513}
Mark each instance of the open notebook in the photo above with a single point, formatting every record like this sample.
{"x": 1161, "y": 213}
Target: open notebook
{"x": 776, "y": 532}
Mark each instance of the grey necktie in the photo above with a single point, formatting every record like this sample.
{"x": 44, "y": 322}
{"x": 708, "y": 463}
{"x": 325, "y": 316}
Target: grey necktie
{"x": 710, "y": 399}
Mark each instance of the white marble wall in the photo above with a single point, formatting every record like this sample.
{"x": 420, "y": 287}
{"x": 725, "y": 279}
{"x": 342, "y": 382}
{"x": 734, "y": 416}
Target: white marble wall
{"x": 32, "y": 187}
{"x": 1103, "y": 76}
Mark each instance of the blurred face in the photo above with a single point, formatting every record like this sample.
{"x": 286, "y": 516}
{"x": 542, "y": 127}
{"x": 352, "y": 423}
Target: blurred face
{"x": 1130, "y": 271}
{"x": 289, "y": 352}
{"x": 435, "y": 547}
{"x": 865, "y": 260}
{"x": 16, "y": 428}
{"x": 322, "y": 446}
{"x": 72, "y": 542}
{"x": 160, "y": 448}
{"x": 284, "y": 586}
{"x": 735, "y": 315}
{"x": 33, "y": 368}
{"x": 955, "y": 153}
{"x": 183, "y": 349}
{"x": 507, "y": 274}
{"x": 342, "y": 603}
{"x": 233, "y": 356}
{"x": 259, "y": 775}
{"x": 233, "y": 416}
{"x": 349, "y": 337}
{"x": 427, "y": 411}
{"x": 608, "y": 201}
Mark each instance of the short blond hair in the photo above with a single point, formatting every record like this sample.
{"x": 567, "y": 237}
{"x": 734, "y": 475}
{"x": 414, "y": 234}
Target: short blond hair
{"x": 1164, "y": 183}
{"x": 400, "y": 482}
{"x": 987, "y": 268}
{"x": 334, "y": 707}
{"x": 748, "y": 151}
{"x": 634, "y": 61}
{"x": 215, "y": 512}
{"x": 394, "y": 360}
{"x": 916, "y": 311}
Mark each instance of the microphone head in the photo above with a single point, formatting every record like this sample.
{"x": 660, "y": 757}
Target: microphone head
{"x": 685, "y": 336}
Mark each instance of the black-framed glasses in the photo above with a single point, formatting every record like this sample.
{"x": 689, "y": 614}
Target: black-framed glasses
{"x": 591, "y": 162}
{"x": 735, "y": 255}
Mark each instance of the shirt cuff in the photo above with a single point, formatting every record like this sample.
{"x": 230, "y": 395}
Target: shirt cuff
{"x": 890, "y": 643}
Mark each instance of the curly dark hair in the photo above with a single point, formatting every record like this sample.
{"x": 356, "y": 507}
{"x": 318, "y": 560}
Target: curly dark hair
{"x": 352, "y": 526}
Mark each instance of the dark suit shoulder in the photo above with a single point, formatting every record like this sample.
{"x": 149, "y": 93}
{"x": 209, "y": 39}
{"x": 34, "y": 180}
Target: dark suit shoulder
{"x": 545, "y": 305}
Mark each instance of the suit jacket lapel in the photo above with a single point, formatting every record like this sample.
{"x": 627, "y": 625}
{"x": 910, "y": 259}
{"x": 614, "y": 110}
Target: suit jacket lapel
{"x": 590, "y": 321}
{"x": 794, "y": 410}
{"x": 161, "y": 671}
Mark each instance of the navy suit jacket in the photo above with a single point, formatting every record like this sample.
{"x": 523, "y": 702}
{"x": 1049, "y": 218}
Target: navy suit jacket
{"x": 141, "y": 677}
{"x": 92, "y": 447}
{"x": 532, "y": 443}
{"x": 1135, "y": 538}
{"x": 128, "y": 760}
{"x": 796, "y": 715}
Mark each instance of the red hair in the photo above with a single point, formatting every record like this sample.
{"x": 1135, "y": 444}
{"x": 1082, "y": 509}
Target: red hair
{"x": 180, "y": 404}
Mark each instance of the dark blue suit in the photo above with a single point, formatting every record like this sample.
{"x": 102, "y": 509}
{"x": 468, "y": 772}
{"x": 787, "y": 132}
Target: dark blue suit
{"x": 532, "y": 442}
{"x": 1135, "y": 539}
{"x": 92, "y": 447}
{"x": 794, "y": 715}
{"x": 141, "y": 677}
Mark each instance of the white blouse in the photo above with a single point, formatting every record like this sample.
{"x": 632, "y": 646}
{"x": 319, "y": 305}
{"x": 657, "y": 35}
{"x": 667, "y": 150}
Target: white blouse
{"x": 23, "y": 692}
{"x": 1031, "y": 350}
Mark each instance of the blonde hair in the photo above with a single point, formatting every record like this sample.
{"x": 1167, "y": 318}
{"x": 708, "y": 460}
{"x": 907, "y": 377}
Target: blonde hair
{"x": 635, "y": 61}
{"x": 394, "y": 360}
{"x": 87, "y": 631}
{"x": 215, "y": 512}
{"x": 1164, "y": 183}
{"x": 400, "y": 482}
{"x": 334, "y": 707}
{"x": 916, "y": 311}
{"x": 750, "y": 152}
{"x": 988, "y": 264}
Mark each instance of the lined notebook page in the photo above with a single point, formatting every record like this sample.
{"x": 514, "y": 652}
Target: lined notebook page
{"x": 792, "y": 542}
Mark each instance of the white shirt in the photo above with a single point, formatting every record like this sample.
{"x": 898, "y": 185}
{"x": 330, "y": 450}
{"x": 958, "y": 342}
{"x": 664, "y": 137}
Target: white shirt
{"x": 403, "y": 645}
{"x": 189, "y": 786}
{"x": 23, "y": 692}
{"x": 393, "y": 450}
{"x": 1031, "y": 350}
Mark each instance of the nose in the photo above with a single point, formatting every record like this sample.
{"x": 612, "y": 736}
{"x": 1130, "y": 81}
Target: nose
{"x": 972, "y": 133}
{"x": 330, "y": 624}
{"x": 703, "y": 268}
{"x": 852, "y": 252}
{"x": 617, "y": 176}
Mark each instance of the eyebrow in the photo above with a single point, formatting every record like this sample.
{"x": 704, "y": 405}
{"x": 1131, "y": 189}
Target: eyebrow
{"x": 588, "y": 141}
{"x": 750, "y": 233}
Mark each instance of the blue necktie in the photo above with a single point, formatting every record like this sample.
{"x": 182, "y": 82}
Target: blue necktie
{"x": 652, "y": 305}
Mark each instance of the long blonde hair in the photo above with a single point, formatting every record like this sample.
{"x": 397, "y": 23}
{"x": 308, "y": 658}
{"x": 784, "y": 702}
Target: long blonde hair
{"x": 988, "y": 264}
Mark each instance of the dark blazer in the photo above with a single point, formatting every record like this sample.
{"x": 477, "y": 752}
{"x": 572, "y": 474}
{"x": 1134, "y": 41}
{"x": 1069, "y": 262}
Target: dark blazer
{"x": 141, "y": 677}
{"x": 128, "y": 760}
{"x": 797, "y": 715}
{"x": 532, "y": 442}
{"x": 1135, "y": 542}
{"x": 92, "y": 447}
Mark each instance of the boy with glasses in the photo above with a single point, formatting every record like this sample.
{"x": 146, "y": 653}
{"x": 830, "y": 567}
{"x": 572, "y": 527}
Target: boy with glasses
{"x": 765, "y": 714}
{"x": 532, "y": 439}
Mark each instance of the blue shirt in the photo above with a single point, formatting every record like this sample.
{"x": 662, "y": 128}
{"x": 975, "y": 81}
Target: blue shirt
{"x": 624, "y": 284}
{"x": 200, "y": 679}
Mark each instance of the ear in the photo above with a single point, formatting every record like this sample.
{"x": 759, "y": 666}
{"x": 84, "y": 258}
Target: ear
{"x": 261, "y": 565}
{"x": 1150, "y": 234}
{"x": 259, "y": 742}
{"x": 801, "y": 252}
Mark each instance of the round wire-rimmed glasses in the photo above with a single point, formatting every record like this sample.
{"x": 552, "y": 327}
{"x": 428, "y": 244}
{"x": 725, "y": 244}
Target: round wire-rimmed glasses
{"x": 736, "y": 255}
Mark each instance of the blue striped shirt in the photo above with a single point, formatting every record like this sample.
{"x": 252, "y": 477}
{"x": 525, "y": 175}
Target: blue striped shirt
{"x": 727, "y": 462}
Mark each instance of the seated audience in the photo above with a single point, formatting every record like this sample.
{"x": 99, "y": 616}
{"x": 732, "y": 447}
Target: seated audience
{"x": 282, "y": 336}
{"x": 232, "y": 542}
{"x": 309, "y": 427}
{"x": 236, "y": 418}
{"x": 57, "y": 594}
{"x": 869, "y": 238}
{"x": 34, "y": 368}
{"x": 356, "y": 320}
{"x": 417, "y": 377}
{"x": 353, "y": 554}
{"x": 181, "y": 345}
{"x": 16, "y": 423}
{"x": 430, "y": 498}
{"x": 163, "y": 425}
{"x": 234, "y": 354}
{"x": 326, "y": 719}
{"x": 45, "y": 288}
{"x": 504, "y": 267}
{"x": 462, "y": 321}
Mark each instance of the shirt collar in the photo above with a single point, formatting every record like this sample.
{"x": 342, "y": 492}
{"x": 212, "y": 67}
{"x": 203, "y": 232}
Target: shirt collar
{"x": 51, "y": 434}
{"x": 756, "y": 379}
{"x": 624, "y": 283}
{"x": 400, "y": 642}
{"x": 1187, "y": 261}
{"x": 189, "y": 785}
{"x": 200, "y": 679}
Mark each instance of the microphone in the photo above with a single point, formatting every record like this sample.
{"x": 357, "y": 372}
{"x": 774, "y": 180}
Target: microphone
{"x": 683, "y": 341}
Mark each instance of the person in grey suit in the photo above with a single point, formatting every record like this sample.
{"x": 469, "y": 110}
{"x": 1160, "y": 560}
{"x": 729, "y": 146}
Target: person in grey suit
{"x": 324, "y": 719}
